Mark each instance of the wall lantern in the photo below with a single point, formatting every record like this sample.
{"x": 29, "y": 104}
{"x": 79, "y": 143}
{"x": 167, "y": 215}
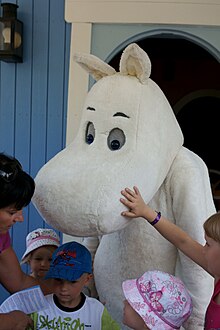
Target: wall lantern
{"x": 11, "y": 43}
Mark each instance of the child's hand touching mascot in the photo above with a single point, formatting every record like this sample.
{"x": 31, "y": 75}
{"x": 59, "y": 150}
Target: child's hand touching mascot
{"x": 128, "y": 136}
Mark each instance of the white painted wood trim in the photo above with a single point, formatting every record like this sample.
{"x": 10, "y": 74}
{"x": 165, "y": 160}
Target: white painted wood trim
{"x": 77, "y": 89}
{"x": 196, "y": 12}
{"x": 78, "y": 78}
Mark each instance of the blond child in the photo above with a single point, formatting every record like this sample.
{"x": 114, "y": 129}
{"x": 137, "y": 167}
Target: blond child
{"x": 40, "y": 245}
{"x": 156, "y": 301}
{"x": 208, "y": 256}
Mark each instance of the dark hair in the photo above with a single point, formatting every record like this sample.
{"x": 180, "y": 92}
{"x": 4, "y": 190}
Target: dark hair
{"x": 212, "y": 227}
{"x": 16, "y": 186}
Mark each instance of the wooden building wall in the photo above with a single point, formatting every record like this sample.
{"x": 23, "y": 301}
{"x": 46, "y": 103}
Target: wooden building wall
{"x": 33, "y": 98}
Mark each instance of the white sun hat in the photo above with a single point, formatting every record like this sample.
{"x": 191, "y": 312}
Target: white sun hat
{"x": 161, "y": 299}
{"x": 40, "y": 237}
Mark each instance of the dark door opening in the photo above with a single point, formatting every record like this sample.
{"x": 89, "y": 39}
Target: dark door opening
{"x": 180, "y": 68}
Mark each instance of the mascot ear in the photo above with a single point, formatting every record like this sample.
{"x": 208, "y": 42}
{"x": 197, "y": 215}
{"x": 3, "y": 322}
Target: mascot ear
{"x": 94, "y": 65}
{"x": 135, "y": 62}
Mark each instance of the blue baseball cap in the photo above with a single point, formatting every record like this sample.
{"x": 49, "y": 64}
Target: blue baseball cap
{"x": 70, "y": 261}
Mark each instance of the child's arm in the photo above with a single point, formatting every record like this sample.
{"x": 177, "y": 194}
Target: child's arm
{"x": 137, "y": 208}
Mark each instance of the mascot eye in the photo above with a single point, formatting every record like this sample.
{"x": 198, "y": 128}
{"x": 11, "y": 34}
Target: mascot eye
{"x": 116, "y": 139}
{"x": 90, "y": 133}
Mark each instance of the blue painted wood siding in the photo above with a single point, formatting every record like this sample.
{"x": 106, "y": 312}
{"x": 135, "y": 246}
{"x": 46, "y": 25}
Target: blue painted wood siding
{"x": 33, "y": 98}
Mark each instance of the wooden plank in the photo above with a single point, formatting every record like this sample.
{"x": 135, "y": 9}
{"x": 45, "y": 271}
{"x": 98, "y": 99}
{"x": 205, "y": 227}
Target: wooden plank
{"x": 160, "y": 12}
{"x": 39, "y": 83}
{"x": 7, "y": 107}
{"x": 55, "y": 80}
{"x": 29, "y": 93}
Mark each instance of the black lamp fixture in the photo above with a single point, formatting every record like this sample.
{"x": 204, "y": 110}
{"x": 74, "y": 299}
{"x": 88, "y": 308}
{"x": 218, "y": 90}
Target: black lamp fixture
{"x": 11, "y": 38}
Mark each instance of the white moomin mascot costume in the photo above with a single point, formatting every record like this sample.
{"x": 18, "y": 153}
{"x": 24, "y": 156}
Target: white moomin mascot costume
{"x": 128, "y": 136}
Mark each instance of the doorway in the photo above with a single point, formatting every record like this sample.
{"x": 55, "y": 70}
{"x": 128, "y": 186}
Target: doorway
{"x": 189, "y": 77}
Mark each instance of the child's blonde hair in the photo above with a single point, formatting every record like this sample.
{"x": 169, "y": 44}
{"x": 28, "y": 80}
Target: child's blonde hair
{"x": 212, "y": 227}
{"x": 38, "y": 238}
{"x": 27, "y": 259}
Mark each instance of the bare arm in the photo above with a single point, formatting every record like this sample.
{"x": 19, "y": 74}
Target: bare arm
{"x": 137, "y": 208}
{"x": 15, "y": 320}
{"x": 13, "y": 278}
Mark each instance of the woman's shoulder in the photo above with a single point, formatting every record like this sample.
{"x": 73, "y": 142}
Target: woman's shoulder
{"x": 216, "y": 293}
{"x": 217, "y": 282}
{"x": 5, "y": 241}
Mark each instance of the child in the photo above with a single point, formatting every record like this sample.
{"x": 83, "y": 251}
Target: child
{"x": 40, "y": 245}
{"x": 68, "y": 307}
{"x": 208, "y": 257}
{"x": 157, "y": 301}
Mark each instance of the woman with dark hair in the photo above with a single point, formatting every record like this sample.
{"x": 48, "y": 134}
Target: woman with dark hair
{"x": 16, "y": 190}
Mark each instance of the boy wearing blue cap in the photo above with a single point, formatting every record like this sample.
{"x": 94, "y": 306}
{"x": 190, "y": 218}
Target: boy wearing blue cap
{"x": 68, "y": 308}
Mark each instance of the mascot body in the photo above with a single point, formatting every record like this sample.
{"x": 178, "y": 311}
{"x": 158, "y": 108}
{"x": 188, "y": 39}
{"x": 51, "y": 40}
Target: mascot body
{"x": 128, "y": 136}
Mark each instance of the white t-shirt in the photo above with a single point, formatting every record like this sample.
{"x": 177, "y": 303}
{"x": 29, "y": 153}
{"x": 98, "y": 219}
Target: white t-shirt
{"x": 90, "y": 315}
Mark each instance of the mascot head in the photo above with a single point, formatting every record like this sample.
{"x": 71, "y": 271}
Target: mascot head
{"x": 128, "y": 136}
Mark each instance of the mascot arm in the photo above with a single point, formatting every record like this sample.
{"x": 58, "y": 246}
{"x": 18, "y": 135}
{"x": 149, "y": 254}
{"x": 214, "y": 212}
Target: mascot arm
{"x": 92, "y": 244}
{"x": 192, "y": 205}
